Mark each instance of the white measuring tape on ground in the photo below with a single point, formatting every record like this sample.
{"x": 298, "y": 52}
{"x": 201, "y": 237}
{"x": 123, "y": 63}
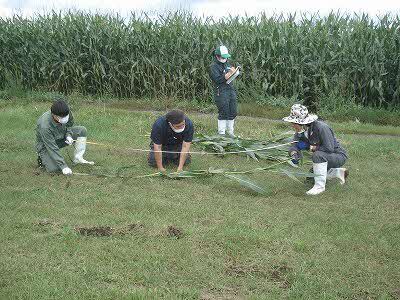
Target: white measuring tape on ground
{"x": 195, "y": 152}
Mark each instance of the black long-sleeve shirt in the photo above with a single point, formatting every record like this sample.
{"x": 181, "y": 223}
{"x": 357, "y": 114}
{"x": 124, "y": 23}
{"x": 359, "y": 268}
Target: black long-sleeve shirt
{"x": 217, "y": 74}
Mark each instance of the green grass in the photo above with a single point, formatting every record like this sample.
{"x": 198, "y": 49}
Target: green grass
{"x": 235, "y": 244}
{"x": 364, "y": 118}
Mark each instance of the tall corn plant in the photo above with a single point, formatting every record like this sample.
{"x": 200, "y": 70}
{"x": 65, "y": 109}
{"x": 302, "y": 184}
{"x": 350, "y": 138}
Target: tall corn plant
{"x": 306, "y": 56}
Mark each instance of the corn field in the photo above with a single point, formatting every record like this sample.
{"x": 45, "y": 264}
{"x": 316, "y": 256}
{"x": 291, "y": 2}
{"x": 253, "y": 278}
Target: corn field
{"x": 356, "y": 57}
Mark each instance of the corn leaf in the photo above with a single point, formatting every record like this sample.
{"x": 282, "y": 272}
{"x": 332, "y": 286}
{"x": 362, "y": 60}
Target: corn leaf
{"x": 246, "y": 182}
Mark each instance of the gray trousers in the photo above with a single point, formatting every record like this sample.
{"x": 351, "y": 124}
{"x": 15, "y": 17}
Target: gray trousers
{"x": 226, "y": 101}
{"x": 167, "y": 157}
{"x": 47, "y": 161}
{"x": 334, "y": 160}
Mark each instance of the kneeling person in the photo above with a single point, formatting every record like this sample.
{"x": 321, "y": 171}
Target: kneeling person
{"x": 328, "y": 156}
{"x": 54, "y": 131}
{"x": 171, "y": 133}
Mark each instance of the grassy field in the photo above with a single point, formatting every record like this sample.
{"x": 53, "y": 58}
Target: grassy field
{"x": 195, "y": 238}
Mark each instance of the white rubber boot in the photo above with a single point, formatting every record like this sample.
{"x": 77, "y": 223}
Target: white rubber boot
{"x": 222, "y": 126}
{"x": 320, "y": 169}
{"x": 339, "y": 173}
{"x": 230, "y": 126}
{"x": 80, "y": 148}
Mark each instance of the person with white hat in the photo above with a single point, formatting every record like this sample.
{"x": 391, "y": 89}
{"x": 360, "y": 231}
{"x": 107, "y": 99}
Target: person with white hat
{"x": 328, "y": 156}
{"x": 224, "y": 93}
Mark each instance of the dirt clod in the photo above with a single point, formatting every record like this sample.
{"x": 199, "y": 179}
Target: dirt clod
{"x": 174, "y": 232}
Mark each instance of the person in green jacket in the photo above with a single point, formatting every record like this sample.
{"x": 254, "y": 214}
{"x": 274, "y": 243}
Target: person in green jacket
{"x": 224, "y": 93}
{"x": 54, "y": 131}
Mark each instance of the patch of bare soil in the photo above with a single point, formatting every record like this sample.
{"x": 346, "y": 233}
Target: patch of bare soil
{"x": 95, "y": 231}
{"x": 173, "y": 231}
{"x": 280, "y": 274}
{"x": 101, "y": 231}
{"x": 239, "y": 270}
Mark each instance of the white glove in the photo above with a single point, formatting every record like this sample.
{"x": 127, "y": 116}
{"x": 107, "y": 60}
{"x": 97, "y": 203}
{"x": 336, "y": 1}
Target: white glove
{"x": 67, "y": 171}
{"x": 69, "y": 140}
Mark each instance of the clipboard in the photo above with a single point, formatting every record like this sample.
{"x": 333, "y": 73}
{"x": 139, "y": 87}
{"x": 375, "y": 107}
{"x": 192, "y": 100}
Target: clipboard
{"x": 234, "y": 75}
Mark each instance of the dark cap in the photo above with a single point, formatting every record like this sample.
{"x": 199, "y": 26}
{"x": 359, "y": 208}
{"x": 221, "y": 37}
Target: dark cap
{"x": 60, "y": 108}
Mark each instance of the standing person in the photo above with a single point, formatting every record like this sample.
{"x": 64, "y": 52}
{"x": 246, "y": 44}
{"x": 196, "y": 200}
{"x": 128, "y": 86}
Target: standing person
{"x": 172, "y": 132}
{"x": 54, "y": 131}
{"x": 328, "y": 156}
{"x": 224, "y": 94}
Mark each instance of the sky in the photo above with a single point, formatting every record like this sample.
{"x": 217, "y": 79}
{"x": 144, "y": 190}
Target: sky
{"x": 213, "y": 8}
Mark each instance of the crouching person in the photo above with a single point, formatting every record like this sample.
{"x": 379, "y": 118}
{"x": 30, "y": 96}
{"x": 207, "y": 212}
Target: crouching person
{"x": 328, "y": 156}
{"x": 172, "y": 133}
{"x": 54, "y": 131}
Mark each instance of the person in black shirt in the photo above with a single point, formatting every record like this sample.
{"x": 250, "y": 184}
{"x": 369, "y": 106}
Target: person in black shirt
{"x": 172, "y": 132}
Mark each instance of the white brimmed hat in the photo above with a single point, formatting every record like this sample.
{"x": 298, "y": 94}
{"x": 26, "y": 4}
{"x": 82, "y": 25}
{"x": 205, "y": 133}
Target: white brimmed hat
{"x": 299, "y": 115}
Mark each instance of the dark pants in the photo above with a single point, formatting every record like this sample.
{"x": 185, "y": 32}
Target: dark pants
{"x": 167, "y": 157}
{"x": 334, "y": 160}
{"x": 226, "y": 101}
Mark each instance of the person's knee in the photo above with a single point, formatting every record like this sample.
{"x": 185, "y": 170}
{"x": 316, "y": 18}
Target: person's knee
{"x": 337, "y": 161}
{"x": 79, "y": 131}
{"x": 83, "y": 131}
{"x": 319, "y": 157}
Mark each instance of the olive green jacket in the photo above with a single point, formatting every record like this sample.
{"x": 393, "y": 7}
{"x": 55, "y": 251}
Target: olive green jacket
{"x": 50, "y": 137}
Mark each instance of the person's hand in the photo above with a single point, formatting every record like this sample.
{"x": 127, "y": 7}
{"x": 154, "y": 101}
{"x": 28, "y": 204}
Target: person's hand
{"x": 67, "y": 171}
{"x": 69, "y": 140}
{"x": 313, "y": 148}
{"x": 301, "y": 145}
{"x": 232, "y": 70}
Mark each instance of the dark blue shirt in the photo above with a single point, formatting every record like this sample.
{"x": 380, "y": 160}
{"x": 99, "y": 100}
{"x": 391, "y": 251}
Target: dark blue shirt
{"x": 162, "y": 133}
{"x": 218, "y": 71}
